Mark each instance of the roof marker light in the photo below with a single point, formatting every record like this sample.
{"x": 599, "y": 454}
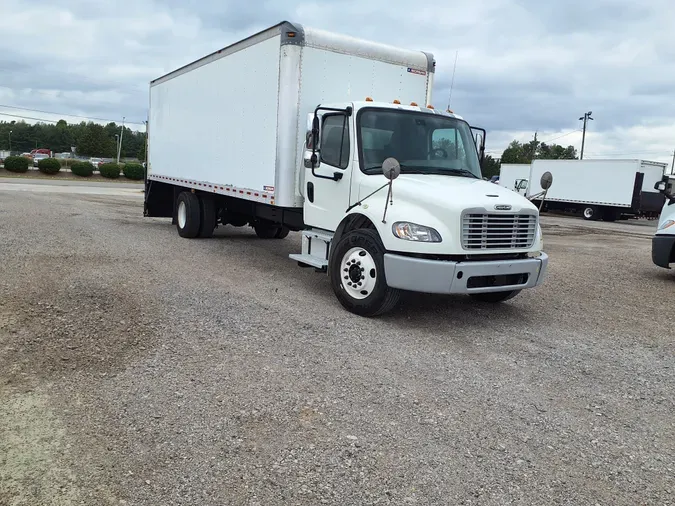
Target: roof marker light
{"x": 397, "y": 101}
{"x": 368, "y": 99}
{"x": 414, "y": 104}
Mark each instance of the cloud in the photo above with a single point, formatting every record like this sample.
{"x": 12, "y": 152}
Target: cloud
{"x": 523, "y": 65}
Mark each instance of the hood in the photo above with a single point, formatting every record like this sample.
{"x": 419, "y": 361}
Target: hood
{"x": 457, "y": 193}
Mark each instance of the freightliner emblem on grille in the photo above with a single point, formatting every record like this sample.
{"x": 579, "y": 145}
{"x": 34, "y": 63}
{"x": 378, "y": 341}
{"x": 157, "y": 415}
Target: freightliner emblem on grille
{"x": 503, "y": 207}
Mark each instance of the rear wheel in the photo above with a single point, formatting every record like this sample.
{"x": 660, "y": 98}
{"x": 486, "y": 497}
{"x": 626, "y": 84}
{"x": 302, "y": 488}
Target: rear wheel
{"x": 495, "y": 297}
{"x": 357, "y": 274}
{"x": 611, "y": 215}
{"x": 266, "y": 231}
{"x": 188, "y": 215}
{"x": 208, "y": 215}
{"x": 592, "y": 213}
{"x": 282, "y": 233}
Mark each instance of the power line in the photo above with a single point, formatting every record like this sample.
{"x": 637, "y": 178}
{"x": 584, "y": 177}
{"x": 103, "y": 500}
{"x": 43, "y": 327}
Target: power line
{"x": 27, "y": 117}
{"x": 66, "y": 114}
{"x": 563, "y": 135}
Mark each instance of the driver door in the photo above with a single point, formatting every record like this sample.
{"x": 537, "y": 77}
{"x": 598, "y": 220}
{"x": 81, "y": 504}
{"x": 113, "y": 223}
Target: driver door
{"x": 327, "y": 185}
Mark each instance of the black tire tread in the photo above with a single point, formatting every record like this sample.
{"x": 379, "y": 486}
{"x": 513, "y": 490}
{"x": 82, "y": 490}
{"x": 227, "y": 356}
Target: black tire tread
{"x": 264, "y": 231}
{"x": 193, "y": 210}
{"x": 208, "y": 214}
{"x": 282, "y": 233}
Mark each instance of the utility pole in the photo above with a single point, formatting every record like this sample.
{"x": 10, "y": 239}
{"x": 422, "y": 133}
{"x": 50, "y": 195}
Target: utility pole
{"x": 585, "y": 118}
{"x": 672, "y": 165}
{"x": 10, "y": 142}
{"x": 119, "y": 148}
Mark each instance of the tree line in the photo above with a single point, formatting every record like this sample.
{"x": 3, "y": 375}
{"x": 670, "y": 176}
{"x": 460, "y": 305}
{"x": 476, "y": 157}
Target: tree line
{"x": 88, "y": 138}
{"x": 525, "y": 152}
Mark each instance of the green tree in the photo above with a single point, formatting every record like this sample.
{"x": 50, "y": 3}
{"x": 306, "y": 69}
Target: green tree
{"x": 90, "y": 139}
{"x": 518, "y": 152}
{"x": 95, "y": 142}
{"x": 490, "y": 166}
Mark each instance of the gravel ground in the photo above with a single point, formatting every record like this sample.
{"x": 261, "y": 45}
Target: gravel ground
{"x": 140, "y": 368}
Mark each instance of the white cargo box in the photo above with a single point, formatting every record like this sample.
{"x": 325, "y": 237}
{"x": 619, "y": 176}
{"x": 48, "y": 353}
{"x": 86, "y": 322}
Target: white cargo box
{"x": 616, "y": 183}
{"x": 243, "y": 110}
{"x": 509, "y": 173}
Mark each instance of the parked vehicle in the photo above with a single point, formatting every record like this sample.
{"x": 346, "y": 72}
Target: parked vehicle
{"x": 37, "y": 157}
{"x": 663, "y": 242}
{"x": 96, "y": 162}
{"x": 515, "y": 176}
{"x": 388, "y": 194}
{"x": 598, "y": 189}
{"x": 43, "y": 151}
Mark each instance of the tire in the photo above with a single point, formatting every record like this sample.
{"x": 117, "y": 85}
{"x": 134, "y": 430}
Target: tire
{"x": 611, "y": 215}
{"x": 265, "y": 231}
{"x": 208, "y": 215}
{"x": 361, "y": 249}
{"x": 494, "y": 297}
{"x": 188, "y": 215}
{"x": 282, "y": 233}
{"x": 592, "y": 213}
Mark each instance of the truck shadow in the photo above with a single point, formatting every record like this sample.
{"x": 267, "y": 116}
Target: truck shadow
{"x": 457, "y": 309}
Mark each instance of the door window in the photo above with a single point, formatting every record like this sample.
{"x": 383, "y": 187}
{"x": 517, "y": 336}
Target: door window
{"x": 335, "y": 141}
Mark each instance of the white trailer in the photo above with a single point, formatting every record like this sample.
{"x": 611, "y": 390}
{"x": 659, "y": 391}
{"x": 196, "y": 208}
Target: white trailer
{"x": 600, "y": 189}
{"x": 297, "y": 129}
{"x": 514, "y": 176}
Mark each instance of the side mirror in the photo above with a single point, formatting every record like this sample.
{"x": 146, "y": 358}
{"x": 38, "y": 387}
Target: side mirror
{"x": 307, "y": 159}
{"x": 546, "y": 180}
{"x": 312, "y": 138}
{"x": 660, "y": 186}
{"x": 391, "y": 168}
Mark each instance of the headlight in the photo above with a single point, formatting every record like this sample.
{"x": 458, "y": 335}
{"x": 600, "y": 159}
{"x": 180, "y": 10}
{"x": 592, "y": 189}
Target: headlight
{"x": 666, "y": 224}
{"x": 415, "y": 232}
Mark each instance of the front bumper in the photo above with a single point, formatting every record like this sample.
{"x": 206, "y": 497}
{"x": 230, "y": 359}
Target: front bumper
{"x": 437, "y": 276}
{"x": 662, "y": 250}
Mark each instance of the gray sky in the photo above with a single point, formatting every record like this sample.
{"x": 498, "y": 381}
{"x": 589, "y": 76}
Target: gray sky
{"x": 523, "y": 65}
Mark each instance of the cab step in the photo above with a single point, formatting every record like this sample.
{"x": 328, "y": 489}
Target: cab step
{"x": 315, "y": 249}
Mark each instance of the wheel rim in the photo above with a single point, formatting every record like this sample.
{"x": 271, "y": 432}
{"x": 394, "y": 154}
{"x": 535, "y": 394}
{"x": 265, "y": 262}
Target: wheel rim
{"x": 588, "y": 212}
{"x": 358, "y": 273}
{"x": 182, "y": 214}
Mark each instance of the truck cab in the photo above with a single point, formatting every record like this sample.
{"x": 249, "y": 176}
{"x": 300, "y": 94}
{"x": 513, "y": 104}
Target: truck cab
{"x": 663, "y": 242}
{"x": 394, "y": 200}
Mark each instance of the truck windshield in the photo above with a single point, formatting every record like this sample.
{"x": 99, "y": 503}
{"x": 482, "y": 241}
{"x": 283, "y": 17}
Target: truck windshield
{"x": 423, "y": 143}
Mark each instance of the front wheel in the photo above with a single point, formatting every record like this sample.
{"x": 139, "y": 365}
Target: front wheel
{"x": 495, "y": 297}
{"x": 357, "y": 274}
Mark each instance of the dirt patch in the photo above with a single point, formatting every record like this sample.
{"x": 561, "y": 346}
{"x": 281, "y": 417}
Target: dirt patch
{"x": 74, "y": 325}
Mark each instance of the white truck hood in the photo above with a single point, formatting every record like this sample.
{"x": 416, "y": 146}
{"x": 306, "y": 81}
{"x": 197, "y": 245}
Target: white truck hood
{"x": 458, "y": 193}
{"x": 439, "y": 201}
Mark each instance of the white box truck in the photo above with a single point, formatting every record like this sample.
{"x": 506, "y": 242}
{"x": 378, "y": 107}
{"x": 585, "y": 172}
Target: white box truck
{"x": 515, "y": 176}
{"x": 304, "y": 130}
{"x": 600, "y": 189}
{"x": 663, "y": 242}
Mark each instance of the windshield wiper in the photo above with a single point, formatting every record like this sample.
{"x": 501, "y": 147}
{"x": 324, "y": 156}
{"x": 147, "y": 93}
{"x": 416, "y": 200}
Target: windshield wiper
{"x": 374, "y": 169}
{"x": 464, "y": 172}
{"x": 437, "y": 171}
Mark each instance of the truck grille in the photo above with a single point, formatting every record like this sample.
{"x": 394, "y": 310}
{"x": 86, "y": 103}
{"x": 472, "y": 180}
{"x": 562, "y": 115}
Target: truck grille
{"x": 498, "y": 231}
